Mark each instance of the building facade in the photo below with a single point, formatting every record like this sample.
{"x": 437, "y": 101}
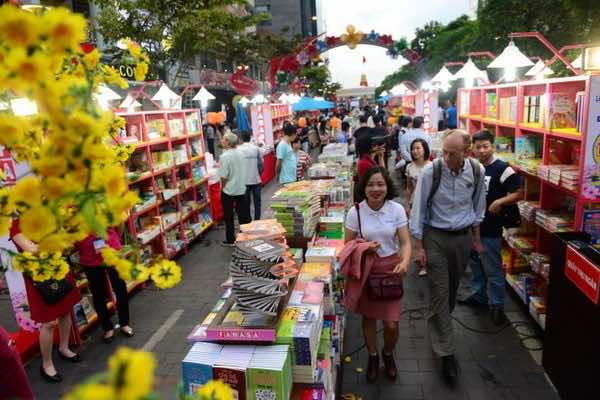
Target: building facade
{"x": 291, "y": 18}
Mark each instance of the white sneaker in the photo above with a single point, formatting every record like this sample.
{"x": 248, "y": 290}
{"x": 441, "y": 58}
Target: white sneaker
{"x": 422, "y": 272}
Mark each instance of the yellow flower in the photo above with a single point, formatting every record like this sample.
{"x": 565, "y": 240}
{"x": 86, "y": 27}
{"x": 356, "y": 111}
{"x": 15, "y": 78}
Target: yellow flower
{"x": 4, "y": 225}
{"x": 92, "y": 391}
{"x": 37, "y": 222}
{"x": 140, "y": 71}
{"x": 26, "y": 71}
{"x": 92, "y": 58}
{"x": 58, "y": 266}
{"x": 51, "y": 165}
{"x": 131, "y": 373}
{"x": 40, "y": 272}
{"x": 18, "y": 27}
{"x": 27, "y": 190}
{"x": 65, "y": 30}
{"x": 165, "y": 274}
{"x": 7, "y": 203}
{"x": 57, "y": 242}
{"x": 13, "y": 130}
{"x": 113, "y": 77}
{"x": 114, "y": 180}
{"x": 134, "y": 49}
{"x": 217, "y": 390}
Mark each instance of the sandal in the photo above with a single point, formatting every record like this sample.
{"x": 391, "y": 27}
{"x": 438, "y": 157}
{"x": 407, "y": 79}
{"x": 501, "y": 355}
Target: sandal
{"x": 127, "y": 331}
{"x": 390, "y": 366}
{"x": 108, "y": 339}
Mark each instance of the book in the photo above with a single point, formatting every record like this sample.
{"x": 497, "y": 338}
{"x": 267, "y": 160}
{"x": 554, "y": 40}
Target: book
{"x": 562, "y": 111}
{"x": 231, "y": 367}
{"x": 176, "y": 126}
{"x": 269, "y": 374}
{"x": 197, "y": 366}
{"x": 155, "y": 128}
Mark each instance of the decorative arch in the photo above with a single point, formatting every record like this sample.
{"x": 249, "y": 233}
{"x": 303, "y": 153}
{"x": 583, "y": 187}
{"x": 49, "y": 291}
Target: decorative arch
{"x": 283, "y": 70}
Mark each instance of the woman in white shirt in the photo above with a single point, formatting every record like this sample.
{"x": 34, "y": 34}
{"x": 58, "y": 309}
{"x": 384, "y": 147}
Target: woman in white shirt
{"x": 384, "y": 223}
{"x": 419, "y": 151}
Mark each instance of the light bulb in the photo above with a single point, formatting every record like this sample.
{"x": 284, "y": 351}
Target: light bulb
{"x": 510, "y": 74}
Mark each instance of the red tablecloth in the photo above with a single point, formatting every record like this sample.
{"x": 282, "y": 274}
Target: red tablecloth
{"x": 268, "y": 168}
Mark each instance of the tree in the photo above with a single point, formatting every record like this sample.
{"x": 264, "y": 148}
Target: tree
{"x": 317, "y": 78}
{"x": 174, "y": 32}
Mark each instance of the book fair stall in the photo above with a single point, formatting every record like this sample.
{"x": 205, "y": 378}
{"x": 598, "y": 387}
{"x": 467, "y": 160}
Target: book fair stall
{"x": 548, "y": 130}
{"x": 277, "y": 332}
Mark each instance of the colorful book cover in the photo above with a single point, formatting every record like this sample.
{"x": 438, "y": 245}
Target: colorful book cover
{"x": 563, "y": 111}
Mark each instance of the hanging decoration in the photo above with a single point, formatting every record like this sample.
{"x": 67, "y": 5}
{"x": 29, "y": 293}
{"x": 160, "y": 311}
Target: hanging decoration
{"x": 352, "y": 37}
{"x": 373, "y": 36}
{"x": 242, "y": 83}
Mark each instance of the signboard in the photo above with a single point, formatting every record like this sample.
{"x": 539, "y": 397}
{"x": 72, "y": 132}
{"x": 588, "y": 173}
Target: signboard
{"x": 262, "y": 124}
{"x": 591, "y": 168}
{"x": 583, "y": 273}
{"x": 8, "y": 168}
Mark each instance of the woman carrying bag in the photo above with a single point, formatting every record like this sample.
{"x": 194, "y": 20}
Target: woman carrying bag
{"x": 376, "y": 256}
{"x": 49, "y": 309}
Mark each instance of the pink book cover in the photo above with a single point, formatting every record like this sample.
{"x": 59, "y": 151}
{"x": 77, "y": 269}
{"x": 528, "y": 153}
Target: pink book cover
{"x": 240, "y": 334}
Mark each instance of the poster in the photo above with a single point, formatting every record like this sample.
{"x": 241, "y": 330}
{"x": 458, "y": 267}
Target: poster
{"x": 591, "y": 168}
{"x": 262, "y": 124}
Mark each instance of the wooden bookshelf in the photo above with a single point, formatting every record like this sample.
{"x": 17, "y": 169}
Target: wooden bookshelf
{"x": 170, "y": 151}
{"x": 557, "y": 146}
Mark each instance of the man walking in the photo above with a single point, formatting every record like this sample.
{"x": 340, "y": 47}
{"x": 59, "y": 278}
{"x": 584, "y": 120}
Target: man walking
{"x": 502, "y": 186}
{"x": 448, "y": 206}
{"x": 253, "y": 164}
{"x": 286, "y": 158}
{"x": 233, "y": 187}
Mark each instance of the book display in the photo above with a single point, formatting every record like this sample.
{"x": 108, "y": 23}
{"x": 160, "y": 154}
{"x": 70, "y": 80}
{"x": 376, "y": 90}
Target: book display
{"x": 168, "y": 172}
{"x": 280, "y": 298}
{"x": 551, "y": 127}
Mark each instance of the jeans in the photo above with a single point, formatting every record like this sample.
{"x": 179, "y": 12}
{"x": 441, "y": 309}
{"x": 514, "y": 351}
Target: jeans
{"x": 242, "y": 209}
{"x": 96, "y": 276}
{"x": 487, "y": 269}
{"x": 254, "y": 191}
{"x": 211, "y": 147}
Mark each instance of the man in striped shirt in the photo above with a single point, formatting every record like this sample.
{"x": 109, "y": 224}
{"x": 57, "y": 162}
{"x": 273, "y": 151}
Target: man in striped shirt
{"x": 303, "y": 159}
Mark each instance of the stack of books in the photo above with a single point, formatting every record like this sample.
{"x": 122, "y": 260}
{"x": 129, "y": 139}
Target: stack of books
{"x": 331, "y": 227}
{"x": 554, "y": 222}
{"x": 337, "y": 244}
{"x": 591, "y": 225}
{"x": 262, "y": 229}
{"x": 176, "y": 126}
{"x": 297, "y": 210}
{"x": 197, "y": 366}
{"x": 256, "y": 289}
{"x": 508, "y": 109}
{"x": 270, "y": 374}
{"x": 316, "y": 254}
{"x": 231, "y": 367}
{"x": 528, "y": 209}
{"x": 490, "y": 105}
{"x": 528, "y": 150}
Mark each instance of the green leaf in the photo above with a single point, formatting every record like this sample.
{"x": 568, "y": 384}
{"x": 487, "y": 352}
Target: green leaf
{"x": 88, "y": 210}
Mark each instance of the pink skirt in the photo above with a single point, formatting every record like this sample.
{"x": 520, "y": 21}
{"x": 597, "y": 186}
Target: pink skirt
{"x": 384, "y": 310}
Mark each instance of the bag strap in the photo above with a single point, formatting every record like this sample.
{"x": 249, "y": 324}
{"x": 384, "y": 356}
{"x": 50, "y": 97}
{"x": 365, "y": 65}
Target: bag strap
{"x": 359, "y": 223}
{"x": 435, "y": 182}
{"x": 476, "y": 176}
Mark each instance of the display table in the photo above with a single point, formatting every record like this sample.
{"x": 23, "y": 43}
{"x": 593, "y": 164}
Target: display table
{"x": 268, "y": 168}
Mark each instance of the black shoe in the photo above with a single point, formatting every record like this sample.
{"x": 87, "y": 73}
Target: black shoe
{"x": 390, "y": 366}
{"x": 470, "y": 302}
{"x": 372, "y": 368}
{"x": 108, "y": 339}
{"x": 449, "y": 368}
{"x": 498, "y": 316}
{"x": 50, "y": 378}
{"x": 75, "y": 359}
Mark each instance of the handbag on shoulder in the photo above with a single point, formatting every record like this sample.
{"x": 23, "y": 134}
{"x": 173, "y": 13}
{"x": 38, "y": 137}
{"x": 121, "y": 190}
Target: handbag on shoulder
{"x": 381, "y": 286}
{"x": 53, "y": 291}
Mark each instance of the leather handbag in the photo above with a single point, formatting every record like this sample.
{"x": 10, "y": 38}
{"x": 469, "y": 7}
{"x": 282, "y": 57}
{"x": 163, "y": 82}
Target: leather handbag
{"x": 381, "y": 286}
{"x": 53, "y": 291}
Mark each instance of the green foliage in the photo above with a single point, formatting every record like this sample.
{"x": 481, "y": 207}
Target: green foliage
{"x": 561, "y": 21}
{"x": 318, "y": 79}
{"x": 174, "y": 32}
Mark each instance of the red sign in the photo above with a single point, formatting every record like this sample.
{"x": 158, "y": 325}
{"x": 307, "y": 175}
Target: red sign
{"x": 584, "y": 274}
{"x": 243, "y": 84}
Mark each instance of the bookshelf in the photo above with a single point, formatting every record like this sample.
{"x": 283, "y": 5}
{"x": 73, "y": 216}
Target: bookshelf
{"x": 547, "y": 130}
{"x": 168, "y": 171}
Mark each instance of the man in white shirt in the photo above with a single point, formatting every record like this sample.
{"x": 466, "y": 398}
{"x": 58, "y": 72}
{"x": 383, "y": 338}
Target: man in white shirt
{"x": 253, "y": 164}
{"x": 233, "y": 187}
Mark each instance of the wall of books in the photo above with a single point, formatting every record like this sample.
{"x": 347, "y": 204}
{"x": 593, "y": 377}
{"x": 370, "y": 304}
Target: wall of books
{"x": 542, "y": 128}
{"x": 277, "y": 332}
{"x": 168, "y": 172}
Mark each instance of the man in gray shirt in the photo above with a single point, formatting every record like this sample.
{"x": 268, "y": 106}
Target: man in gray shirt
{"x": 445, "y": 224}
{"x": 253, "y": 160}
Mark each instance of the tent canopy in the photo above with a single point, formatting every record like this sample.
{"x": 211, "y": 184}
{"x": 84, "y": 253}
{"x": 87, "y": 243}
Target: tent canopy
{"x": 308, "y": 103}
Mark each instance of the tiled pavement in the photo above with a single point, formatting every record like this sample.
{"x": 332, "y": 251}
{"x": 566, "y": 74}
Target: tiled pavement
{"x": 492, "y": 366}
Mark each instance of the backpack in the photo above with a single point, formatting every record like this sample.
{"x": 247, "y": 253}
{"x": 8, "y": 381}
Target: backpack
{"x": 437, "y": 177}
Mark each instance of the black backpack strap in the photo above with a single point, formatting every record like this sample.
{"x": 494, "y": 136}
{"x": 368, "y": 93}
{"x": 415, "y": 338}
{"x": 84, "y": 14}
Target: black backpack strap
{"x": 435, "y": 182}
{"x": 476, "y": 177}
{"x": 359, "y": 223}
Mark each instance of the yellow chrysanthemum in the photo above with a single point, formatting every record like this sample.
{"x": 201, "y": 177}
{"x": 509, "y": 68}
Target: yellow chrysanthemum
{"x": 92, "y": 391}
{"x": 7, "y": 203}
{"x": 53, "y": 188}
{"x": 131, "y": 373}
{"x": 64, "y": 30}
{"x": 92, "y": 58}
{"x": 40, "y": 272}
{"x": 13, "y": 130}
{"x": 37, "y": 222}
{"x": 58, "y": 266}
{"x": 57, "y": 242}
{"x": 113, "y": 77}
{"x": 140, "y": 71}
{"x": 165, "y": 274}
{"x": 18, "y": 27}
{"x": 50, "y": 165}
{"x": 27, "y": 190}
{"x": 114, "y": 180}
{"x": 26, "y": 71}
{"x": 215, "y": 390}
{"x": 4, "y": 225}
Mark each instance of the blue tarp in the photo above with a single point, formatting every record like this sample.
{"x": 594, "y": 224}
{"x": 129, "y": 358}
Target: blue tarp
{"x": 308, "y": 103}
{"x": 242, "y": 119}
